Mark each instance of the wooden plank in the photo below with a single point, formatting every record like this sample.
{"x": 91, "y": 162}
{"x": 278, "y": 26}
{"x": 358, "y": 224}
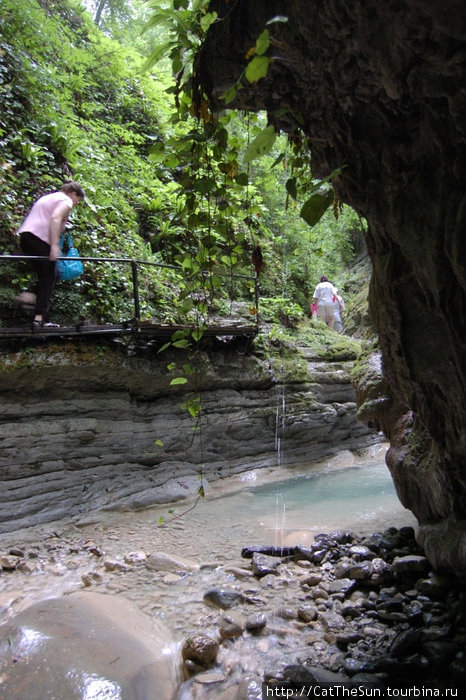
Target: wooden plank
{"x": 150, "y": 330}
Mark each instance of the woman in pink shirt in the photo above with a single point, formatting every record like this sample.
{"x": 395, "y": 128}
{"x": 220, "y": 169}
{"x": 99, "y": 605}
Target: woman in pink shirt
{"x": 40, "y": 235}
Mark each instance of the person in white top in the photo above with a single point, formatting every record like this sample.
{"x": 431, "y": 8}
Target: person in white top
{"x": 323, "y": 298}
{"x": 40, "y": 234}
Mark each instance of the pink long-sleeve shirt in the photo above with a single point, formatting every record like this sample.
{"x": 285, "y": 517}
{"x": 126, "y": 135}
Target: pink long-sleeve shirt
{"x": 38, "y": 219}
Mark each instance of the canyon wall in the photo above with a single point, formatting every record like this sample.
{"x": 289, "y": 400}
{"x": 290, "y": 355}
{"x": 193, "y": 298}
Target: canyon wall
{"x": 93, "y": 425}
{"x": 378, "y": 91}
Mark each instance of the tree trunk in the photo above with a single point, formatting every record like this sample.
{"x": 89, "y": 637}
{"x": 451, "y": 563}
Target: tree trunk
{"x": 99, "y": 11}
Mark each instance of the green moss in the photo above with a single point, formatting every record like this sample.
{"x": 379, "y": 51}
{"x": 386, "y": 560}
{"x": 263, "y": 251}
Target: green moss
{"x": 327, "y": 345}
{"x": 56, "y": 353}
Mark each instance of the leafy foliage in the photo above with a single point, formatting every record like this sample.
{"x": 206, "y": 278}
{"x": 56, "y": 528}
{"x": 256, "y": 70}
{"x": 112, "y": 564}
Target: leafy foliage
{"x": 166, "y": 182}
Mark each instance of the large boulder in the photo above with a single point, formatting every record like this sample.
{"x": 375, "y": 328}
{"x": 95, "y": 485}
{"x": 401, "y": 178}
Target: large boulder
{"x": 87, "y": 645}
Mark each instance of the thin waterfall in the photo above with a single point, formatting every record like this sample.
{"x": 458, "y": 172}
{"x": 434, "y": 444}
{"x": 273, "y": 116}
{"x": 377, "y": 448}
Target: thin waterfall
{"x": 280, "y": 505}
{"x": 280, "y": 414}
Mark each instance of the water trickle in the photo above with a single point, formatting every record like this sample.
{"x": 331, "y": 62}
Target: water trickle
{"x": 280, "y": 507}
{"x": 280, "y": 413}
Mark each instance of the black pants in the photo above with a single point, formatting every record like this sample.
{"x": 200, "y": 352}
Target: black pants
{"x": 46, "y": 274}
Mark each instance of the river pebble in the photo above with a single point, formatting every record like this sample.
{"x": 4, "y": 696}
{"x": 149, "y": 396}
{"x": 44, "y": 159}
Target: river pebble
{"x": 362, "y": 608}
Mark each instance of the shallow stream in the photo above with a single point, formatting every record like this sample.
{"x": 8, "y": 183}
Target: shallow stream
{"x": 282, "y": 506}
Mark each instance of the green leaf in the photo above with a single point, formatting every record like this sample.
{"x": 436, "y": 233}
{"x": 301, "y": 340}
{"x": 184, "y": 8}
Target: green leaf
{"x": 197, "y": 334}
{"x": 159, "y": 443}
{"x": 208, "y": 19}
{"x": 278, "y": 160}
{"x": 262, "y": 144}
{"x": 171, "y": 366}
{"x": 178, "y": 380}
{"x": 291, "y": 187}
{"x": 262, "y": 43}
{"x": 230, "y": 94}
{"x": 315, "y": 207}
{"x": 181, "y": 344}
{"x": 242, "y": 179}
{"x": 257, "y": 68}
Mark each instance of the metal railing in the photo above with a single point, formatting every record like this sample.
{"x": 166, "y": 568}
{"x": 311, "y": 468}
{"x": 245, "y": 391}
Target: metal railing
{"x": 134, "y": 263}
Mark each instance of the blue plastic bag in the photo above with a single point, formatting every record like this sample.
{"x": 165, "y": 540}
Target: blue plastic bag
{"x": 70, "y": 268}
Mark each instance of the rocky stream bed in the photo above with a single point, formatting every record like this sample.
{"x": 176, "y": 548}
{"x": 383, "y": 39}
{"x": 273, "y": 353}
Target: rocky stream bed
{"x": 348, "y": 609}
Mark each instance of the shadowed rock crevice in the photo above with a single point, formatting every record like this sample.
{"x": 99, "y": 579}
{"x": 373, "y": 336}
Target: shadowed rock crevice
{"x": 379, "y": 89}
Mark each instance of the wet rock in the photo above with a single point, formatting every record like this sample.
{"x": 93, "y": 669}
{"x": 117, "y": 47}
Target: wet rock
{"x": 263, "y": 564}
{"x": 238, "y": 572}
{"x": 199, "y": 648}
{"x": 248, "y": 551}
{"x": 381, "y": 572}
{"x": 231, "y": 625}
{"x": 91, "y": 577}
{"x": 437, "y": 632}
{"x": 135, "y": 558}
{"x": 9, "y": 562}
{"x": 160, "y": 561}
{"x": 26, "y": 567}
{"x": 314, "y": 554}
{"x": 359, "y": 552}
{"x": 223, "y": 598}
{"x": 342, "y": 568}
{"x": 344, "y": 639}
{"x": 361, "y": 571}
{"x": 250, "y": 688}
{"x": 353, "y": 666}
{"x": 319, "y": 593}
{"x": 209, "y": 677}
{"x": 410, "y": 566}
{"x": 129, "y": 653}
{"x": 286, "y": 613}
{"x": 311, "y": 579}
{"x": 231, "y": 693}
{"x": 302, "y": 675}
{"x": 342, "y": 536}
{"x": 255, "y": 622}
{"x": 434, "y": 586}
{"x": 116, "y": 565}
{"x": 413, "y": 612}
{"x": 332, "y": 621}
{"x": 307, "y": 612}
{"x": 343, "y": 585}
{"x": 405, "y": 643}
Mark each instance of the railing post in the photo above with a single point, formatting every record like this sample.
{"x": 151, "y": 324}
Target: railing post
{"x": 256, "y": 298}
{"x": 137, "y": 311}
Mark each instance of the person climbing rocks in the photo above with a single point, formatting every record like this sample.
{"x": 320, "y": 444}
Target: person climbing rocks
{"x": 40, "y": 234}
{"x": 323, "y": 299}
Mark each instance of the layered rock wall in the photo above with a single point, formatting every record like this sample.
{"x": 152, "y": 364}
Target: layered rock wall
{"x": 90, "y": 426}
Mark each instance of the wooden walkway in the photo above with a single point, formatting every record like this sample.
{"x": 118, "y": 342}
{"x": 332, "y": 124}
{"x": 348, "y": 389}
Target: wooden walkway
{"x": 143, "y": 329}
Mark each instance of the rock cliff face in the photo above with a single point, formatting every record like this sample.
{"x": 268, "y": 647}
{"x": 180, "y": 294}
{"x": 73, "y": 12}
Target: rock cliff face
{"x": 80, "y": 425}
{"x": 379, "y": 88}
